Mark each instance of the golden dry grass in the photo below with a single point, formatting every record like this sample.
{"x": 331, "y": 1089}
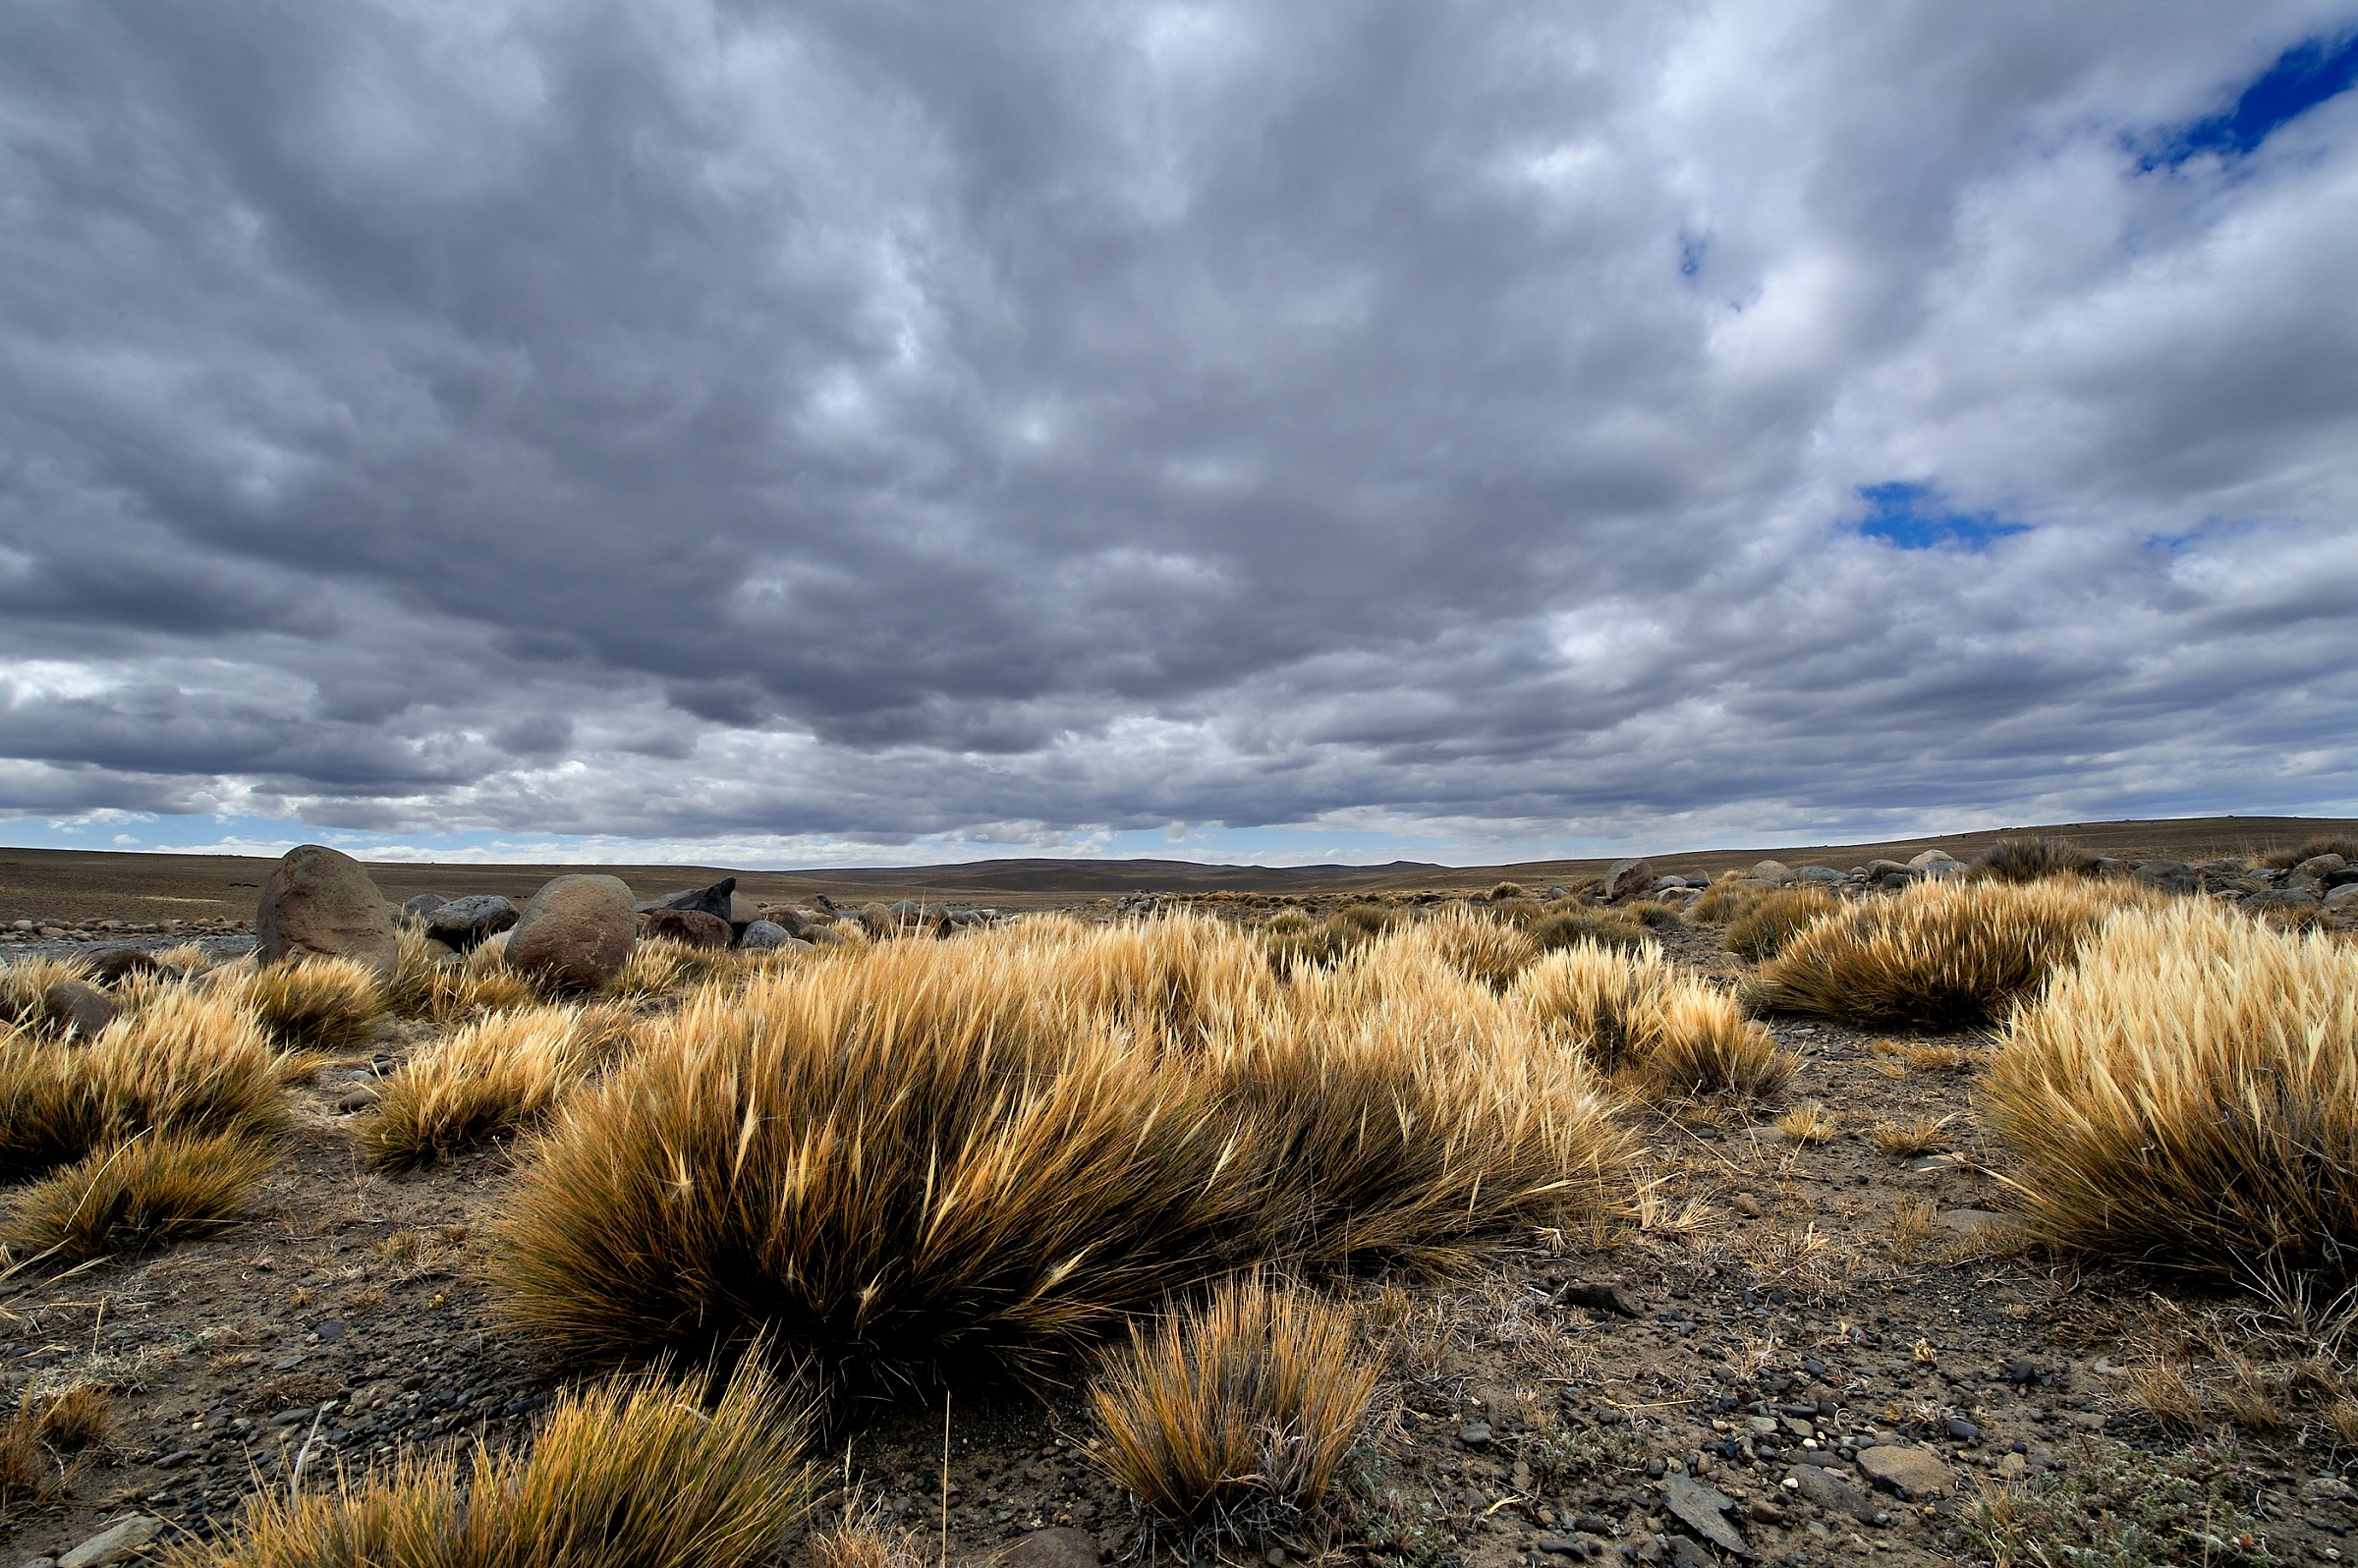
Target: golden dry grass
{"x": 1610, "y": 928}
{"x": 321, "y": 1004}
{"x": 2030, "y": 860}
{"x": 151, "y": 1191}
{"x": 39, "y": 1445}
{"x": 24, "y": 987}
{"x": 1730, "y": 898}
{"x": 634, "y": 1472}
{"x": 1760, "y": 932}
{"x": 489, "y": 1078}
{"x": 1939, "y": 954}
{"x": 997, "y": 1145}
{"x": 1232, "y": 1418}
{"x": 1671, "y": 1033}
{"x": 2187, "y": 1096}
{"x": 1810, "y": 1124}
{"x": 659, "y": 966}
{"x": 1478, "y": 947}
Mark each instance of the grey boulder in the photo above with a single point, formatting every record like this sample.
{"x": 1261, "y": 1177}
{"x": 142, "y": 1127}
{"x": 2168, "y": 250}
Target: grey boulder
{"x": 1628, "y": 878}
{"x": 714, "y": 900}
{"x": 465, "y": 923}
{"x": 2167, "y": 876}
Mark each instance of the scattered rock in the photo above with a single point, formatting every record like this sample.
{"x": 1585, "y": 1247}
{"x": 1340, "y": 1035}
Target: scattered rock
{"x": 466, "y": 922}
{"x": 1971, "y": 1221}
{"x": 713, "y": 901}
{"x": 694, "y": 927}
{"x": 1916, "y": 1474}
{"x": 418, "y": 906}
{"x": 1599, "y": 1296}
{"x": 764, "y": 936}
{"x": 354, "y": 1100}
{"x": 1628, "y": 878}
{"x": 1832, "y": 1493}
{"x": 119, "y": 1542}
{"x": 1746, "y": 1205}
{"x": 1703, "y": 1508}
{"x": 2284, "y": 898}
{"x": 109, "y": 965}
{"x": 1776, "y": 874}
{"x": 2318, "y": 868}
{"x": 1475, "y": 1434}
{"x": 74, "y": 1008}
{"x": 1819, "y": 876}
{"x": 2343, "y": 897}
{"x": 1935, "y": 863}
{"x": 320, "y": 902}
{"x": 577, "y": 931}
{"x": 2168, "y": 876}
{"x": 1052, "y": 1548}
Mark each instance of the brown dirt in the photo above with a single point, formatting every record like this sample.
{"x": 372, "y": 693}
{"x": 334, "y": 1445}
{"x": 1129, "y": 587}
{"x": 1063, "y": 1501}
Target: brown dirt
{"x": 1773, "y": 1282}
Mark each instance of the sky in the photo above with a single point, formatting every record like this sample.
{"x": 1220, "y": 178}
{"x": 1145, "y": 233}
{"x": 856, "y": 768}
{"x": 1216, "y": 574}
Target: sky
{"x": 863, "y": 432}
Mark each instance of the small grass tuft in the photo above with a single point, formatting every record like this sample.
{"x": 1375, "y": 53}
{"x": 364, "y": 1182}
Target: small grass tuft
{"x": 2031, "y": 860}
{"x": 493, "y": 1077}
{"x": 1810, "y": 1124}
{"x": 150, "y": 1192}
{"x": 1762, "y": 932}
{"x": 322, "y": 1004}
{"x": 1611, "y": 928}
{"x": 1230, "y": 1420}
{"x": 663, "y": 965}
{"x": 633, "y": 1473}
{"x": 1912, "y": 1140}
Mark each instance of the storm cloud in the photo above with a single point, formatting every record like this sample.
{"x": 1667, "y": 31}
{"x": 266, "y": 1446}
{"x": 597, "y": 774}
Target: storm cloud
{"x": 838, "y": 427}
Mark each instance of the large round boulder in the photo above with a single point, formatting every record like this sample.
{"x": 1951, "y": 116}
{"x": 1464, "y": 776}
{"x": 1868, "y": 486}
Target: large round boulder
{"x": 319, "y": 903}
{"x": 1628, "y": 878}
{"x": 576, "y": 931}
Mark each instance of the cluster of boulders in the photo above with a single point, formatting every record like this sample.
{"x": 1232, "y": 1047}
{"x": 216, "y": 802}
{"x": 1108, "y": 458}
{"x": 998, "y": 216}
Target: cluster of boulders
{"x": 576, "y": 931}
{"x": 43, "y": 929}
{"x": 2322, "y": 881}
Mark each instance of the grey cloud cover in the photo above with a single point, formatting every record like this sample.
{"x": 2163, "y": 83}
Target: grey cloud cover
{"x": 880, "y": 422}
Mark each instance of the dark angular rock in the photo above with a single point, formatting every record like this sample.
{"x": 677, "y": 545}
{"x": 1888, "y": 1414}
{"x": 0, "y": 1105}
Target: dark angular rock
{"x": 713, "y": 901}
{"x": 468, "y": 922}
{"x": 418, "y": 906}
{"x": 1704, "y": 1509}
{"x": 2168, "y": 877}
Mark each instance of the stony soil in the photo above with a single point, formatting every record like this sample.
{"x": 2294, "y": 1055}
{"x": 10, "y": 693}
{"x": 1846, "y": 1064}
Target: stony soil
{"x": 1782, "y": 1304}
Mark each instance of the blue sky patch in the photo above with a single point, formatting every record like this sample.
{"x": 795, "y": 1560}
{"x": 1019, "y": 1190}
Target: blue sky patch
{"x": 1912, "y": 516}
{"x": 2302, "y": 78}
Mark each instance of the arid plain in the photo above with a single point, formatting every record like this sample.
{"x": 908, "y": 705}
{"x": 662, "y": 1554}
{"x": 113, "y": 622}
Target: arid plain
{"x": 1985, "y": 1198}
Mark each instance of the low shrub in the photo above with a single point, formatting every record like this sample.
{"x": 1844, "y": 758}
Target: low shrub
{"x": 2187, "y": 1096}
{"x": 322, "y": 1004}
{"x": 2030, "y": 860}
{"x": 1772, "y": 920}
{"x": 152, "y": 1190}
{"x": 1231, "y": 1418}
{"x": 491, "y": 1077}
{"x": 634, "y": 1472}
{"x": 1937, "y": 955}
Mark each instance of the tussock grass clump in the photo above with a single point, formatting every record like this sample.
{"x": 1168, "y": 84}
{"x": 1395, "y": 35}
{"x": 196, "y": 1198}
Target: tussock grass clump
{"x": 1395, "y": 1111}
{"x": 991, "y": 1150}
{"x": 322, "y": 1005}
{"x": 1611, "y": 928}
{"x": 152, "y": 1190}
{"x": 190, "y": 1062}
{"x": 1939, "y": 954}
{"x": 2187, "y": 1096}
{"x": 659, "y": 966}
{"x": 491, "y": 1077}
{"x": 1231, "y": 1418}
{"x": 1656, "y": 914}
{"x": 25, "y": 989}
{"x": 2344, "y": 845}
{"x": 1301, "y": 940}
{"x": 1727, "y": 900}
{"x": 1772, "y": 920}
{"x": 1670, "y": 1034}
{"x": 635, "y": 1473}
{"x": 1480, "y": 949}
{"x": 2030, "y": 860}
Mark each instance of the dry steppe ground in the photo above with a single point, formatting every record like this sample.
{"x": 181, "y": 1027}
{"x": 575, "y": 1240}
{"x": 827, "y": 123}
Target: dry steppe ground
{"x": 1796, "y": 1276}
